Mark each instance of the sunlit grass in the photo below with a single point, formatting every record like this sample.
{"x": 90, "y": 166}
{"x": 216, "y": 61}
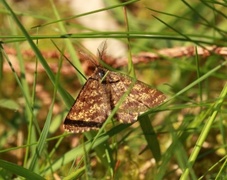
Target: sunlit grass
{"x": 187, "y": 138}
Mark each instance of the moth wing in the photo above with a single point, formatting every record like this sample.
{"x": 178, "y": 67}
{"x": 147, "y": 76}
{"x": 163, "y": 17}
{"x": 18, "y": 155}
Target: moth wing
{"x": 90, "y": 109}
{"x": 139, "y": 100}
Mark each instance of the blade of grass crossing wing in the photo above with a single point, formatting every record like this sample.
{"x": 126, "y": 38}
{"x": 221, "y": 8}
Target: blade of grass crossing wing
{"x": 101, "y": 149}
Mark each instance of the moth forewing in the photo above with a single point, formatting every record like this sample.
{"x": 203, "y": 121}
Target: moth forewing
{"x": 91, "y": 107}
{"x": 141, "y": 97}
{"x": 118, "y": 104}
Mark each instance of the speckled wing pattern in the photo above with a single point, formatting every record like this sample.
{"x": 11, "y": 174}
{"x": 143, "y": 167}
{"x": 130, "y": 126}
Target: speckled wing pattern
{"x": 141, "y": 97}
{"x": 91, "y": 108}
{"x": 100, "y": 95}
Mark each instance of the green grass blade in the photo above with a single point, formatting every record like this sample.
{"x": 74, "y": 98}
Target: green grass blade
{"x": 45, "y": 131}
{"x": 19, "y": 170}
{"x": 1, "y": 61}
{"x": 150, "y": 137}
{"x": 208, "y": 125}
{"x": 69, "y": 45}
{"x": 76, "y": 174}
{"x": 92, "y": 12}
{"x": 89, "y": 145}
{"x": 62, "y": 92}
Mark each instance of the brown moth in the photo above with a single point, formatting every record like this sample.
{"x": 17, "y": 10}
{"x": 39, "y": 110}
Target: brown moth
{"x": 101, "y": 93}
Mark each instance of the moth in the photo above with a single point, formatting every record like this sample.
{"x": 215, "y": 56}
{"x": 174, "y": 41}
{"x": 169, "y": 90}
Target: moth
{"x": 100, "y": 94}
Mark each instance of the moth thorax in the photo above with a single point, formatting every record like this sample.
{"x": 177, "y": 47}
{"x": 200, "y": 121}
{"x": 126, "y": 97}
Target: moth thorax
{"x": 101, "y": 73}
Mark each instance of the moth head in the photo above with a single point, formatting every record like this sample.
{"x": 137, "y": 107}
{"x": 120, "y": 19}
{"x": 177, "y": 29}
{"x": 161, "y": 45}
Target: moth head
{"x": 101, "y": 73}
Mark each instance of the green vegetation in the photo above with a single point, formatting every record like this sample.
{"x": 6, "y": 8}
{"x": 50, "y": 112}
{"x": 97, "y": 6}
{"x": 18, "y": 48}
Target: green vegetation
{"x": 185, "y": 138}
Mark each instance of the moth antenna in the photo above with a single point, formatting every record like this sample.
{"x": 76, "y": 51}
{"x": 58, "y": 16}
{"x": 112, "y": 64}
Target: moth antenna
{"x": 89, "y": 57}
{"x": 85, "y": 54}
{"x": 103, "y": 56}
{"x": 102, "y": 50}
